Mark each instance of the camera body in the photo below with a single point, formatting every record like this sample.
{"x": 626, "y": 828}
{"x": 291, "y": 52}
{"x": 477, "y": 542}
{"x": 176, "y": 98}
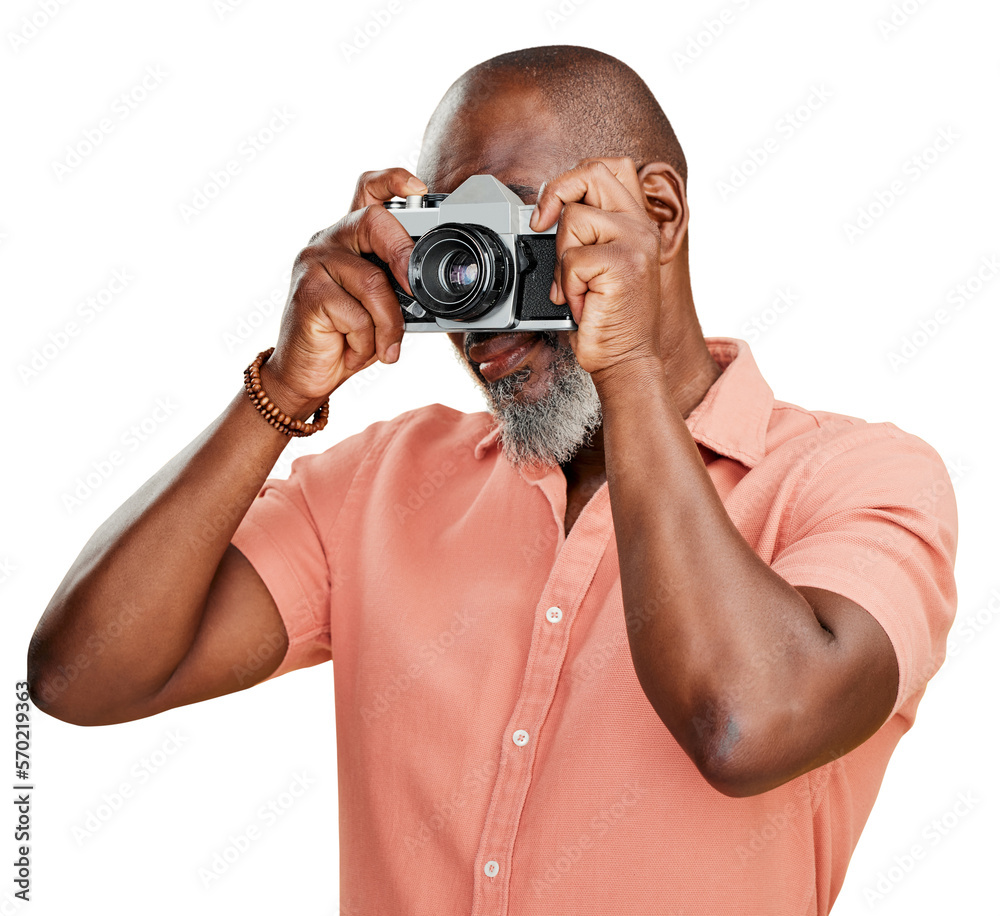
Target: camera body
{"x": 476, "y": 264}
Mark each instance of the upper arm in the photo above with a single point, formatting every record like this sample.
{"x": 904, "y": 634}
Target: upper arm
{"x": 241, "y": 640}
{"x": 870, "y": 545}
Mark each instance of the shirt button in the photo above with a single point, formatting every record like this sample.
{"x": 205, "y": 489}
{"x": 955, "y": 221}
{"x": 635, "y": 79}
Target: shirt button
{"x": 492, "y": 869}
{"x": 520, "y": 737}
{"x": 553, "y": 615}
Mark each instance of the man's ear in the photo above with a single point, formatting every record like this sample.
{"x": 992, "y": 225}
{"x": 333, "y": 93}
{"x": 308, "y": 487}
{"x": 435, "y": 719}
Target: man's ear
{"x": 666, "y": 203}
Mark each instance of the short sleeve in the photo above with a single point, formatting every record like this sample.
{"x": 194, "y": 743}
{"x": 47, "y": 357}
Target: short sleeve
{"x": 285, "y": 536}
{"x": 875, "y": 520}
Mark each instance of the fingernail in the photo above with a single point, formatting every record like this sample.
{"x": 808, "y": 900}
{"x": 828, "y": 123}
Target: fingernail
{"x": 392, "y": 353}
{"x": 534, "y": 218}
{"x": 553, "y": 292}
{"x": 416, "y": 186}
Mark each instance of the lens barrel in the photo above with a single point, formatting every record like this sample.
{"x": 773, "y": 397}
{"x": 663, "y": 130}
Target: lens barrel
{"x": 459, "y": 271}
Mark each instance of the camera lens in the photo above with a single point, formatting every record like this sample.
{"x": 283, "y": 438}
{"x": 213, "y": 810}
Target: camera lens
{"x": 459, "y": 271}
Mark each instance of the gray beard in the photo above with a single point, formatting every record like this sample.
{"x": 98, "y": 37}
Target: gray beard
{"x": 550, "y": 430}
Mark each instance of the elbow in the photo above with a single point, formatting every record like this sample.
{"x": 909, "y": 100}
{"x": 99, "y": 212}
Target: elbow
{"x": 47, "y": 688}
{"x": 63, "y": 690}
{"x": 47, "y": 684}
{"x": 740, "y": 744}
{"x": 41, "y": 686}
{"x": 721, "y": 758}
{"x": 731, "y": 753}
{"x": 717, "y": 738}
{"x": 54, "y": 689}
{"x": 45, "y": 693}
{"x": 734, "y": 780}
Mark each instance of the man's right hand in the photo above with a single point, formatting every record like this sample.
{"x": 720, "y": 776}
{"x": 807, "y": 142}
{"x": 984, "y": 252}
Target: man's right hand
{"x": 342, "y": 315}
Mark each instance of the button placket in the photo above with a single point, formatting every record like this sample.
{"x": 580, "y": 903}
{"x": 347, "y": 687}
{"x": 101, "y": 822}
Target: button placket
{"x": 567, "y": 585}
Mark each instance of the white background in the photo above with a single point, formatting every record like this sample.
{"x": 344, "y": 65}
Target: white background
{"x": 191, "y": 318}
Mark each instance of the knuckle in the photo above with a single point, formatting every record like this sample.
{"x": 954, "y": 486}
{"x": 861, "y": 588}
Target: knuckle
{"x": 316, "y": 236}
{"x": 311, "y": 286}
{"x": 571, "y": 258}
{"x": 632, "y": 256}
{"x": 370, "y": 280}
{"x": 371, "y": 216}
{"x": 358, "y": 321}
{"x": 652, "y": 232}
{"x": 399, "y": 251}
{"x": 365, "y": 179}
{"x": 350, "y": 318}
{"x": 308, "y": 255}
{"x": 622, "y": 259}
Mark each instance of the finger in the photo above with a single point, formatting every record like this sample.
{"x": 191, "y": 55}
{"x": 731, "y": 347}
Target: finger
{"x": 375, "y": 187}
{"x": 583, "y": 225}
{"x": 369, "y": 287}
{"x": 593, "y": 183}
{"x": 375, "y": 229}
{"x": 580, "y": 268}
{"x": 352, "y": 320}
{"x": 323, "y": 307}
{"x": 624, "y": 169}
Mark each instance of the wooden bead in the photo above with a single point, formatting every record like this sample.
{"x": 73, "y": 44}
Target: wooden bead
{"x": 289, "y": 426}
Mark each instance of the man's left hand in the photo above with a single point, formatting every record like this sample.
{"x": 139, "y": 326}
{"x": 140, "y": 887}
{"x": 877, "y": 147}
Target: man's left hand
{"x": 607, "y": 261}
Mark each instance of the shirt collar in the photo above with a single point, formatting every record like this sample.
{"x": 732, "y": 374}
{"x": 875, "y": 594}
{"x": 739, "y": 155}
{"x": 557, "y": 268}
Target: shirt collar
{"x": 731, "y": 419}
{"x": 487, "y": 442}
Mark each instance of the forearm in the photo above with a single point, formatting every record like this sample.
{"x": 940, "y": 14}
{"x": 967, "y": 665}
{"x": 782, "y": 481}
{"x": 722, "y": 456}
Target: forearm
{"x": 128, "y": 610}
{"x": 721, "y": 644}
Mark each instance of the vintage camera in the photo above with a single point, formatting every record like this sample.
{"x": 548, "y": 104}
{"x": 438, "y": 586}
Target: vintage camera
{"x": 476, "y": 264}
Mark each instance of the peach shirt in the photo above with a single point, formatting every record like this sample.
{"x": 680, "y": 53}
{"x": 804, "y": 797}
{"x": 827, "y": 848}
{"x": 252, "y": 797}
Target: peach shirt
{"x": 496, "y": 754}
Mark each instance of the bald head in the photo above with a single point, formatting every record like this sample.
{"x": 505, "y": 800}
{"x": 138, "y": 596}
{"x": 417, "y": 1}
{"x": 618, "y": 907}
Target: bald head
{"x": 597, "y": 105}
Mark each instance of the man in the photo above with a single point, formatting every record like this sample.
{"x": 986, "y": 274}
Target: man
{"x": 639, "y": 640}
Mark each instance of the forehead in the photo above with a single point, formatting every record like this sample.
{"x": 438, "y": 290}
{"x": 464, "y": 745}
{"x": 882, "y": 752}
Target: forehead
{"x": 512, "y": 135}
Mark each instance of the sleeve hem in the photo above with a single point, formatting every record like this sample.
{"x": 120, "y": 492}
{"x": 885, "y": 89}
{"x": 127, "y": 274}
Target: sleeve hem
{"x": 875, "y": 602}
{"x": 287, "y": 592}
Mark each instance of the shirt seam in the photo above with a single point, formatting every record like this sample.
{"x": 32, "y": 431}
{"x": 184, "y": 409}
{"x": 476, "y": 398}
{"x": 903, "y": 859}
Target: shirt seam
{"x": 318, "y": 626}
{"x": 380, "y": 441}
{"x": 902, "y": 651}
{"x": 811, "y": 469}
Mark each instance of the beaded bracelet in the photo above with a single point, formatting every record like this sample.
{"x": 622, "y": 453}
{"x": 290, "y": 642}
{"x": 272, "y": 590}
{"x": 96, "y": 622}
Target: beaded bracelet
{"x": 271, "y": 412}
